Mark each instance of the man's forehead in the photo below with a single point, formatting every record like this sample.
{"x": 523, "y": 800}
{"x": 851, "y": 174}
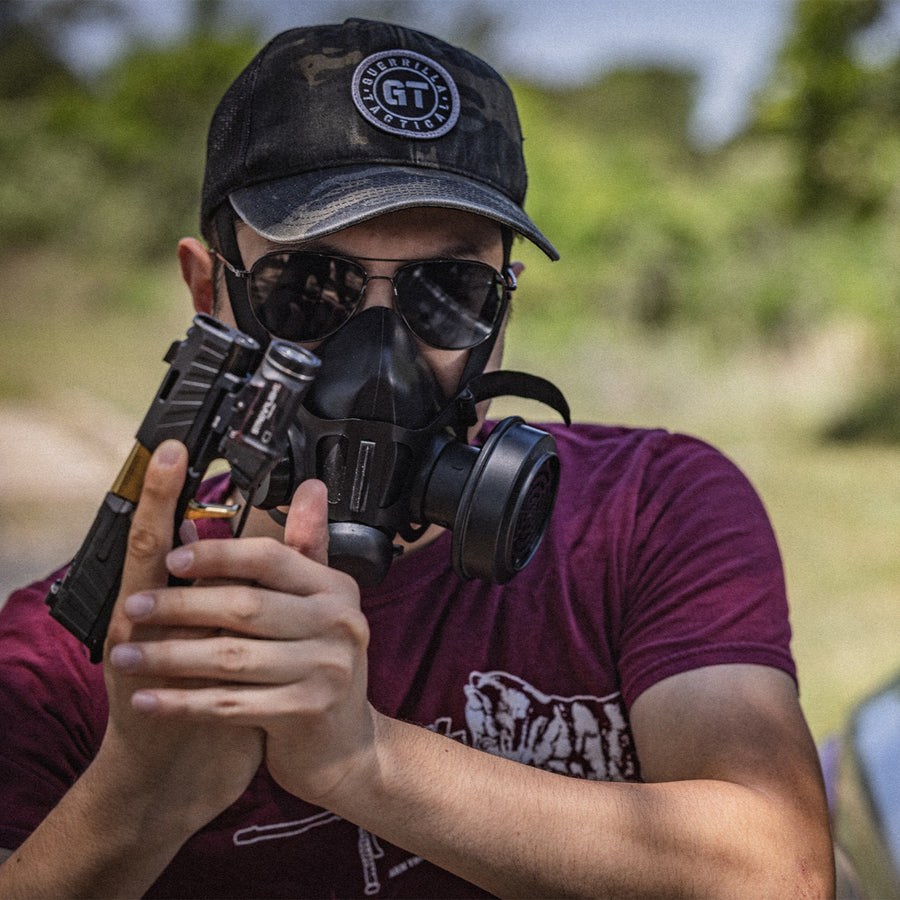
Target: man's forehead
{"x": 458, "y": 233}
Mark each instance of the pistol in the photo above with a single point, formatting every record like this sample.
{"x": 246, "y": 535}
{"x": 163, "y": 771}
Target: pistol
{"x": 223, "y": 398}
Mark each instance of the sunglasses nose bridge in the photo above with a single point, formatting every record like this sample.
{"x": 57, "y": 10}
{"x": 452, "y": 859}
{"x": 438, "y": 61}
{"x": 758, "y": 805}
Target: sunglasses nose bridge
{"x": 378, "y": 295}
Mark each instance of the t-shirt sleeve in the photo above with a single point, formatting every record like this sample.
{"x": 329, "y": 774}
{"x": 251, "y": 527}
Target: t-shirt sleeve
{"x": 706, "y": 582}
{"x": 53, "y": 709}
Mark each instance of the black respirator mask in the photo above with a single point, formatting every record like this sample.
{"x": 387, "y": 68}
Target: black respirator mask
{"x": 393, "y": 451}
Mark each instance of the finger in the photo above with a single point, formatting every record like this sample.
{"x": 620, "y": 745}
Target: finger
{"x": 235, "y": 660}
{"x": 262, "y": 561}
{"x": 237, "y": 704}
{"x": 306, "y": 528}
{"x": 150, "y": 534}
{"x": 244, "y": 610}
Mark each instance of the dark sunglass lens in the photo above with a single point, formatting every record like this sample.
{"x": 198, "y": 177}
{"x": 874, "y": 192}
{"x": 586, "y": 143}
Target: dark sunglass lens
{"x": 450, "y": 305}
{"x": 304, "y": 296}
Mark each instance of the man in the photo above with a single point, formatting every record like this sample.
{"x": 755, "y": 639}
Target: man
{"x": 271, "y": 729}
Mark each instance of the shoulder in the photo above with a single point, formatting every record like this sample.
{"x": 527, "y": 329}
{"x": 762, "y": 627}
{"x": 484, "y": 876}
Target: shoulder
{"x": 643, "y": 463}
{"x": 599, "y": 442}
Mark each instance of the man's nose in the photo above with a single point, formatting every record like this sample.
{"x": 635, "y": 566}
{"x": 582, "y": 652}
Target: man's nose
{"x": 378, "y": 291}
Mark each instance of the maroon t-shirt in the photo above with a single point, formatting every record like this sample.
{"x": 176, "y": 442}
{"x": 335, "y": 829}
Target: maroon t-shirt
{"x": 659, "y": 559}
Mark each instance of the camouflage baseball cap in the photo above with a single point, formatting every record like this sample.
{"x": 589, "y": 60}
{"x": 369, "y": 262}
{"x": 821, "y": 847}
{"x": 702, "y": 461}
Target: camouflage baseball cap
{"x": 331, "y": 125}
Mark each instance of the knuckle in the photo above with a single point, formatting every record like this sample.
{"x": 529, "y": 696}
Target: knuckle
{"x": 270, "y": 551}
{"x": 228, "y": 705}
{"x": 246, "y": 607}
{"x": 267, "y": 556}
{"x": 156, "y": 489}
{"x": 232, "y": 657}
{"x": 144, "y": 543}
{"x": 353, "y": 626}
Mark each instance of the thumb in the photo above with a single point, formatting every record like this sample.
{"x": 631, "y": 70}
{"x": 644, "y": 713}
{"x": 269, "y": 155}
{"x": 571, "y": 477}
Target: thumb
{"x": 306, "y": 529}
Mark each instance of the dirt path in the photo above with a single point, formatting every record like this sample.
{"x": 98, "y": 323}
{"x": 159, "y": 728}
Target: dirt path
{"x": 54, "y": 473}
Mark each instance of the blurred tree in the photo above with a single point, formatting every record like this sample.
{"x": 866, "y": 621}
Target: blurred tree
{"x": 123, "y": 154}
{"x": 32, "y": 38}
{"x": 654, "y": 102}
{"x": 207, "y": 16}
{"x": 30, "y": 66}
{"x": 840, "y": 114}
{"x": 821, "y": 97}
{"x": 604, "y": 160}
{"x": 150, "y": 120}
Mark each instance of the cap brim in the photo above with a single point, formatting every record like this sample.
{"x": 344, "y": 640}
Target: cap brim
{"x": 315, "y": 204}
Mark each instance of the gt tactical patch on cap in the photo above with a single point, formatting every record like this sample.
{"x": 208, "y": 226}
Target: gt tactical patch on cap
{"x": 333, "y": 125}
{"x": 406, "y": 93}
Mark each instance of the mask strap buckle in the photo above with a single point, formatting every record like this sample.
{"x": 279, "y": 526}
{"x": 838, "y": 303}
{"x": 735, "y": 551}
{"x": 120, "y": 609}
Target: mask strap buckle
{"x": 466, "y": 413}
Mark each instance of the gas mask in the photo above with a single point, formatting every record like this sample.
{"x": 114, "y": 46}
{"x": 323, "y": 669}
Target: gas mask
{"x": 392, "y": 450}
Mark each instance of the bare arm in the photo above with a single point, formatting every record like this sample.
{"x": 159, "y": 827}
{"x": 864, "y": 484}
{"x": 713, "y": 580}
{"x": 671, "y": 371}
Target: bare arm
{"x": 736, "y": 812}
{"x": 99, "y": 841}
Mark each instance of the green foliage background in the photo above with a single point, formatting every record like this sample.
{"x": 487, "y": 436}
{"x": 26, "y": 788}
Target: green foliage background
{"x": 769, "y": 240}
{"x": 747, "y": 292}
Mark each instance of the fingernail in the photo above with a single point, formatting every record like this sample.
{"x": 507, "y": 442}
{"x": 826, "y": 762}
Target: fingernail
{"x": 179, "y": 560}
{"x": 139, "y": 606}
{"x": 168, "y": 454}
{"x": 142, "y": 702}
{"x": 187, "y": 531}
{"x": 125, "y": 657}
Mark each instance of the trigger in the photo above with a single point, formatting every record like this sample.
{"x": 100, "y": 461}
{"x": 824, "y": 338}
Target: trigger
{"x": 198, "y": 510}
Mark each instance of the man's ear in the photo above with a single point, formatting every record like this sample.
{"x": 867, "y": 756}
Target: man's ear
{"x": 197, "y": 272}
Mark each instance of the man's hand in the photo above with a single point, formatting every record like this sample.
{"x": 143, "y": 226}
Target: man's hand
{"x": 154, "y": 782}
{"x": 200, "y": 768}
{"x": 267, "y": 637}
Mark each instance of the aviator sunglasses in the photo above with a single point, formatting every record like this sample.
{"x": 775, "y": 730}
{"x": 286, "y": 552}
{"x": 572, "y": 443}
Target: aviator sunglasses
{"x": 302, "y": 296}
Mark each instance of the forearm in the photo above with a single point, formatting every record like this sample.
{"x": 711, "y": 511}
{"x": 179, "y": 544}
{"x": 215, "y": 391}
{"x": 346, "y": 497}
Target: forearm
{"x": 105, "y": 838}
{"x": 518, "y": 831}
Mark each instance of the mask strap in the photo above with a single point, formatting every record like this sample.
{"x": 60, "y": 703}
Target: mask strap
{"x": 237, "y": 290}
{"x": 509, "y": 383}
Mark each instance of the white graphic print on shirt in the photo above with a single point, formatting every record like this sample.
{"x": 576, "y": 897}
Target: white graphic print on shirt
{"x": 582, "y": 736}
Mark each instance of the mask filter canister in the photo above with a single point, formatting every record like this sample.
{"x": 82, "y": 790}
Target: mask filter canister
{"x": 497, "y": 500}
